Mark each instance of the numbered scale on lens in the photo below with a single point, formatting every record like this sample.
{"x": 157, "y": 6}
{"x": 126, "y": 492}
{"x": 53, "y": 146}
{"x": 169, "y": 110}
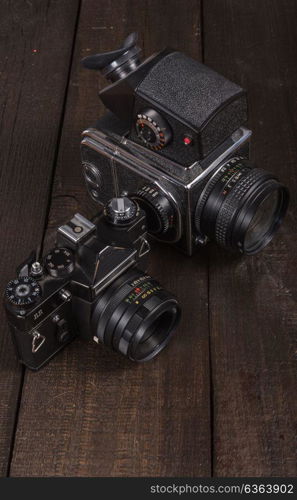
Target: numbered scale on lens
{"x": 60, "y": 262}
{"x": 23, "y": 291}
{"x": 158, "y": 209}
{"x": 152, "y": 129}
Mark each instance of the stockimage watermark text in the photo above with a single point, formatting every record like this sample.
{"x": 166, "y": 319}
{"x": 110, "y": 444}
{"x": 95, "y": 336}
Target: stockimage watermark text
{"x": 241, "y": 489}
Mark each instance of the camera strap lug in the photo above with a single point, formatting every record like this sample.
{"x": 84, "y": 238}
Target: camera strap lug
{"x": 201, "y": 240}
{"x": 37, "y": 341}
{"x": 144, "y": 248}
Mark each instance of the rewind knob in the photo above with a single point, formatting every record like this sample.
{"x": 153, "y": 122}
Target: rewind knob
{"x": 59, "y": 262}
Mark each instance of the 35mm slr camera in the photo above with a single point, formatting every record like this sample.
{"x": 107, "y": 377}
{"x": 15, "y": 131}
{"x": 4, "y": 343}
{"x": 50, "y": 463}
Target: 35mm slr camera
{"x": 89, "y": 285}
{"x": 175, "y": 140}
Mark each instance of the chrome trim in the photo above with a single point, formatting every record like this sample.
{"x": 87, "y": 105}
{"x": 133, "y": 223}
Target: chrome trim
{"x": 125, "y": 264}
{"x": 93, "y": 136}
{"x": 189, "y": 223}
{"x": 246, "y": 134}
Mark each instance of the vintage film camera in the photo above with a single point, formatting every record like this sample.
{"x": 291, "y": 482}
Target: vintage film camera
{"x": 175, "y": 140}
{"x": 89, "y": 285}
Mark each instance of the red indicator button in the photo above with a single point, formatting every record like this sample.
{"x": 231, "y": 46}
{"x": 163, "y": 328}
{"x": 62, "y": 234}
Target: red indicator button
{"x": 187, "y": 140}
{"x": 137, "y": 290}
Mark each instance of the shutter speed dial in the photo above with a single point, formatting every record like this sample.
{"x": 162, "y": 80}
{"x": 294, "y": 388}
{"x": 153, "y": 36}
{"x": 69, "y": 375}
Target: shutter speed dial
{"x": 152, "y": 129}
{"x": 121, "y": 211}
{"x": 23, "y": 291}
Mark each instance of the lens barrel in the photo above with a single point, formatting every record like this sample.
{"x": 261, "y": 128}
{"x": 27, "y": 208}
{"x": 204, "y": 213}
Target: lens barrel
{"x": 135, "y": 316}
{"x": 241, "y": 206}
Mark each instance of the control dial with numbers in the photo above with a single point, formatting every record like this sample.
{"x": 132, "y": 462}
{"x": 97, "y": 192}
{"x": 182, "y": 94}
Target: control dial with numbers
{"x": 152, "y": 129}
{"x": 23, "y": 291}
{"x": 60, "y": 262}
{"x": 159, "y": 211}
{"x": 121, "y": 211}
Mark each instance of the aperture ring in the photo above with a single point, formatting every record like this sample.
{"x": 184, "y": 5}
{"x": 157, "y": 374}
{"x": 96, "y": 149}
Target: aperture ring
{"x": 115, "y": 312}
{"x": 124, "y": 342}
{"x": 209, "y": 187}
{"x": 104, "y": 300}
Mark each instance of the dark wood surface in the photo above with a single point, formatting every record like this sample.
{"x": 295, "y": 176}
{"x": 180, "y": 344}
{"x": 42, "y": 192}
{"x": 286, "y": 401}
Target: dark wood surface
{"x": 253, "y": 300}
{"x": 33, "y": 88}
{"x": 222, "y": 399}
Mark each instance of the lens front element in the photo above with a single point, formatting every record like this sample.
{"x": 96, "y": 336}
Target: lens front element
{"x": 262, "y": 220}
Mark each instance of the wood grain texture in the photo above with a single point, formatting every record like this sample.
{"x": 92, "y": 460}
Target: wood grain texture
{"x": 253, "y": 300}
{"x": 90, "y": 412}
{"x": 36, "y": 41}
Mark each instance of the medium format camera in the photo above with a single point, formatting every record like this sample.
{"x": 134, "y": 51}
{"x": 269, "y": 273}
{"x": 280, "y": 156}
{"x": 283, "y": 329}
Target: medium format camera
{"x": 175, "y": 140}
{"x": 89, "y": 285}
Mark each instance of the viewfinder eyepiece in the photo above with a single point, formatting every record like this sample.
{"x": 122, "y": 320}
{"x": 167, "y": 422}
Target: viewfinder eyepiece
{"x": 116, "y": 64}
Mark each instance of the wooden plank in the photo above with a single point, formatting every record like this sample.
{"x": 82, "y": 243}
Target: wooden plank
{"x": 36, "y": 44}
{"x": 90, "y": 412}
{"x": 253, "y": 300}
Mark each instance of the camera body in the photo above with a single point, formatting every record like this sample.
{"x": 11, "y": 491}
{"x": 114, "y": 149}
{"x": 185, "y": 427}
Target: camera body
{"x": 82, "y": 285}
{"x": 167, "y": 191}
{"x": 203, "y": 113}
{"x": 173, "y": 124}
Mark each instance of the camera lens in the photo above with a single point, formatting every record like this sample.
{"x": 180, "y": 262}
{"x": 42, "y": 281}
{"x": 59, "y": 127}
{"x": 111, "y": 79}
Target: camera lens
{"x": 262, "y": 221}
{"x": 241, "y": 206}
{"x": 135, "y": 316}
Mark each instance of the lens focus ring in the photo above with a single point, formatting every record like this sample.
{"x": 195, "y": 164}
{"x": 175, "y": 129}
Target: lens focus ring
{"x": 135, "y": 316}
{"x": 230, "y": 205}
